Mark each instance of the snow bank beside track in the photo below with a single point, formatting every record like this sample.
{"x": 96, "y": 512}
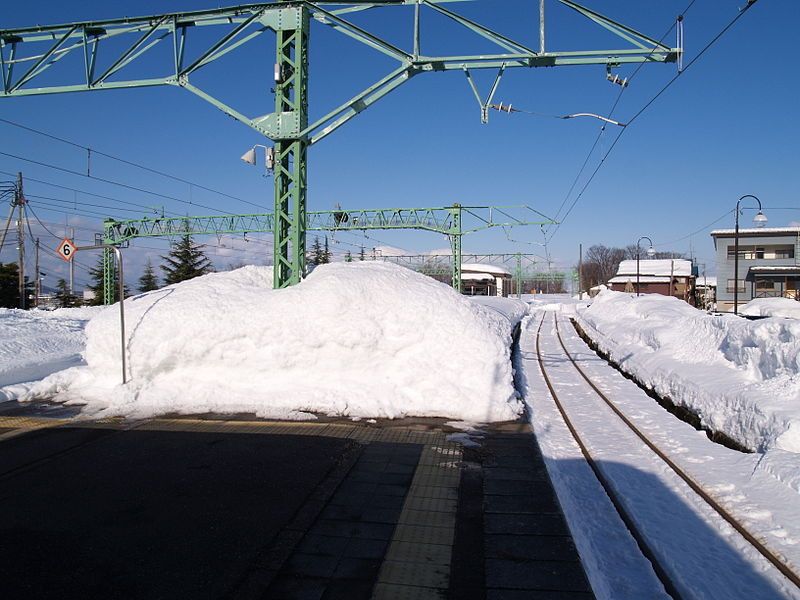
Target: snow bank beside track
{"x": 742, "y": 378}
{"x": 353, "y": 339}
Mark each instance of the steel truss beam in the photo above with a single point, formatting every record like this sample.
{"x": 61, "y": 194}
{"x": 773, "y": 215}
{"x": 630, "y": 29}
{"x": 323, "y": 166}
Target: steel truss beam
{"x": 524, "y": 265}
{"x": 453, "y": 221}
{"x": 288, "y": 125}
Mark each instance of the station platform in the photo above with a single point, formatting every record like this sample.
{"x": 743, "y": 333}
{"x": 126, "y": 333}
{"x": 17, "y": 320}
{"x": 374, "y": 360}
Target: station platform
{"x": 235, "y": 507}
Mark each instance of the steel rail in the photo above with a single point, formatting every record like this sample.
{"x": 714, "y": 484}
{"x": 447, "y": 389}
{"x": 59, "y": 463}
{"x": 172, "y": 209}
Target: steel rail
{"x": 762, "y": 549}
{"x": 645, "y": 548}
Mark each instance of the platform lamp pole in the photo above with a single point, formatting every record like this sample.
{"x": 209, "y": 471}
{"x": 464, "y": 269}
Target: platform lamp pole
{"x": 650, "y": 252}
{"x": 759, "y": 221}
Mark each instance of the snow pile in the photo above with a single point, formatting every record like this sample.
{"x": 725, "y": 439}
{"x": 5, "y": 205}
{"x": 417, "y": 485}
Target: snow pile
{"x": 741, "y": 377}
{"x": 353, "y": 339}
{"x": 36, "y": 343}
{"x": 772, "y": 307}
{"x": 511, "y": 308}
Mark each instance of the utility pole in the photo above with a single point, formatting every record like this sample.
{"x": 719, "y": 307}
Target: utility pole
{"x": 72, "y": 266}
{"x": 19, "y": 200}
{"x": 580, "y": 271}
{"x": 38, "y": 285}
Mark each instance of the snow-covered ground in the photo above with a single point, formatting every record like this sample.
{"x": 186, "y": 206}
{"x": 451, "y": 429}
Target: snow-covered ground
{"x": 36, "y": 343}
{"x": 741, "y": 377}
{"x": 511, "y": 308}
{"x": 772, "y": 307}
{"x": 353, "y": 339}
{"x": 704, "y": 556}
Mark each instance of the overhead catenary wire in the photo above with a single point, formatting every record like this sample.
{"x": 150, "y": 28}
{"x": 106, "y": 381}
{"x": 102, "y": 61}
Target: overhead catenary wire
{"x": 91, "y": 151}
{"x": 111, "y": 182}
{"x": 610, "y": 113}
{"x": 87, "y": 193}
{"x": 741, "y": 13}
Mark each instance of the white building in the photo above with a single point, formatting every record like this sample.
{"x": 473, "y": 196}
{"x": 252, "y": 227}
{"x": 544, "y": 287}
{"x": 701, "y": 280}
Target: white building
{"x": 485, "y": 280}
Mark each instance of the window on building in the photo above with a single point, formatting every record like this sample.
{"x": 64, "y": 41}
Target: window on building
{"x": 762, "y": 252}
{"x": 765, "y": 284}
{"x": 731, "y": 284}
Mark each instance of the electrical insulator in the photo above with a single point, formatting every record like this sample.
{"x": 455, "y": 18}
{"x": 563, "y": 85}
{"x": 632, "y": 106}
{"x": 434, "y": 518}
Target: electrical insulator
{"x": 614, "y": 78}
{"x": 278, "y": 74}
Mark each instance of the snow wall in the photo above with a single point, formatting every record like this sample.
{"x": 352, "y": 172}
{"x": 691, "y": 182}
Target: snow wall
{"x": 741, "y": 377}
{"x": 353, "y": 339}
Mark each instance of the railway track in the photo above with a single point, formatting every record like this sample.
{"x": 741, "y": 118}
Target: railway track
{"x": 576, "y": 395}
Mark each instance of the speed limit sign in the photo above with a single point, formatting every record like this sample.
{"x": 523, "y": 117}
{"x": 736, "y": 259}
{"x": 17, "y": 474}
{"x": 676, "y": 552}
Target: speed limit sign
{"x": 66, "y": 249}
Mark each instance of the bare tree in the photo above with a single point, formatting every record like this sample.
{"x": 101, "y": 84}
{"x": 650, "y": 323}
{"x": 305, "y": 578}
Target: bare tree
{"x": 601, "y": 264}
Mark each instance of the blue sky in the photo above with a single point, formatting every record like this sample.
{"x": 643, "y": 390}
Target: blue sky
{"x": 729, "y": 126}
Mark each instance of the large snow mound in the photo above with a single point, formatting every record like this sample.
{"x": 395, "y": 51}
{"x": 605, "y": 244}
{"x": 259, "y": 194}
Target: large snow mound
{"x": 741, "y": 377}
{"x": 353, "y": 339}
{"x": 772, "y": 307}
{"x": 36, "y": 343}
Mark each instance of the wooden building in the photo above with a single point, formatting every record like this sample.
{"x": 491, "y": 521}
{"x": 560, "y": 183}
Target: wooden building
{"x": 668, "y": 277}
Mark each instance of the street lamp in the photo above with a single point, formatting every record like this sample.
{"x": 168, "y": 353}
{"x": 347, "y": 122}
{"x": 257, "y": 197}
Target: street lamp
{"x": 759, "y": 221}
{"x": 269, "y": 156}
{"x": 650, "y": 252}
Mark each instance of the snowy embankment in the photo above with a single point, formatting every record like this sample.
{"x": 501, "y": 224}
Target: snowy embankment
{"x": 741, "y": 377}
{"x": 36, "y": 343}
{"x": 353, "y": 339}
{"x": 772, "y": 307}
{"x": 512, "y": 309}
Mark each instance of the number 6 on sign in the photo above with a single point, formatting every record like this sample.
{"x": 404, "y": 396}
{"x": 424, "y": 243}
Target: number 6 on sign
{"x": 66, "y": 249}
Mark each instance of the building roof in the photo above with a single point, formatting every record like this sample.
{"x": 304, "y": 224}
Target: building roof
{"x": 642, "y": 279}
{"x": 757, "y": 231}
{"x": 678, "y": 267}
{"x": 776, "y": 269}
{"x": 484, "y": 268}
{"x": 706, "y": 281}
{"x": 477, "y": 277}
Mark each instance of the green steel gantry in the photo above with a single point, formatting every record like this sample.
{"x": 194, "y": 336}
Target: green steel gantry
{"x": 453, "y": 221}
{"x": 437, "y": 264}
{"x": 28, "y": 54}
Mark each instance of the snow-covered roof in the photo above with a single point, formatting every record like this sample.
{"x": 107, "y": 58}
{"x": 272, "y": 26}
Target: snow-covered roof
{"x": 706, "y": 281}
{"x": 477, "y": 277}
{"x": 758, "y": 231}
{"x": 483, "y": 268}
{"x": 642, "y": 279}
{"x": 678, "y": 267}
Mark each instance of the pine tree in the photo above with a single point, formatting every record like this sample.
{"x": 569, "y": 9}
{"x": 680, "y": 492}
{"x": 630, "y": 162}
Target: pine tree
{"x": 361, "y": 253}
{"x": 316, "y": 253}
{"x": 348, "y": 257}
{"x": 148, "y": 281}
{"x": 9, "y": 286}
{"x": 63, "y": 295}
{"x": 326, "y": 253}
{"x": 185, "y": 261}
{"x": 96, "y": 273}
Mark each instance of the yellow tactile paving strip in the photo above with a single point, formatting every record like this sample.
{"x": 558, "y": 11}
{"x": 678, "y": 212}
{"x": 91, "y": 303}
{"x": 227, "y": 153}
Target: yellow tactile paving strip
{"x": 417, "y": 564}
{"x": 20, "y": 425}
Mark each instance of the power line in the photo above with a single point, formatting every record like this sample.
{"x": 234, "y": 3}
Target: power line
{"x": 714, "y": 222}
{"x": 130, "y": 163}
{"x": 111, "y": 182}
{"x": 611, "y": 112}
{"x": 646, "y": 106}
{"x": 82, "y": 203}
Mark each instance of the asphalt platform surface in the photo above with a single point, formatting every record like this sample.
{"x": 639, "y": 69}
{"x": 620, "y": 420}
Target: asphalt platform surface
{"x": 210, "y": 507}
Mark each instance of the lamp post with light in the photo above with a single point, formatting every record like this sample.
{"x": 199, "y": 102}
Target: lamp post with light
{"x": 759, "y": 221}
{"x": 650, "y": 253}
